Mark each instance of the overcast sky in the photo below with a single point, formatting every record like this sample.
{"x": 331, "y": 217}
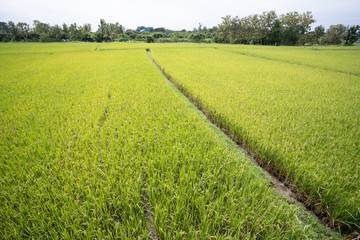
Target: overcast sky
{"x": 176, "y": 15}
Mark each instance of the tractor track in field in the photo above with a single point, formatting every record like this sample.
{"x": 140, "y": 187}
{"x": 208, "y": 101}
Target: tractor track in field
{"x": 148, "y": 211}
{"x": 279, "y": 182}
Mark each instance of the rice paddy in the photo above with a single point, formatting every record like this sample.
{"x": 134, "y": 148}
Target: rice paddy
{"x": 96, "y": 143}
{"x": 303, "y": 121}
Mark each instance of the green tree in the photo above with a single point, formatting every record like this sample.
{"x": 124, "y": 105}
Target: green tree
{"x": 55, "y": 33}
{"x": 13, "y": 31}
{"x": 102, "y": 32}
{"x": 45, "y": 37}
{"x": 97, "y": 36}
{"x": 267, "y": 22}
{"x": 122, "y": 38}
{"x": 275, "y": 34}
{"x": 290, "y": 35}
{"x": 319, "y": 33}
{"x": 40, "y": 27}
{"x": 335, "y": 34}
{"x": 85, "y": 32}
{"x": 295, "y": 26}
{"x": 266, "y": 28}
{"x": 160, "y": 29}
{"x": 65, "y": 32}
{"x": 159, "y": 35}
{"x": 23, "y": 30}
{"x": 149, "y": 39}
{"x": 114, "y": 30}
{"x": 4, "y": 32}
{"x": 197, "y": 36}
{"x": 226, "y": 29}
{"x": 74, "y": 32}
{"x": 138, "y": 29}
{"x": 109, "y": 31}
{"x": 19, "y": 31}
{"x": 352, "y": 35}
{"x": 131, "y": 34}
{"x": 4, "y": 27}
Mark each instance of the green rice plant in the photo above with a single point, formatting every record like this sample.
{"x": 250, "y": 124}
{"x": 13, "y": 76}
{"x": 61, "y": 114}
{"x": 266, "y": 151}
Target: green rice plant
{"x": 56, "y": 182}
{"x": 93, "y": 142}
{"x": 302, "y": 121}
{"x": 46, "y": 48}
{"x": 340, "y": 59}
{"x": 140, "y": 45}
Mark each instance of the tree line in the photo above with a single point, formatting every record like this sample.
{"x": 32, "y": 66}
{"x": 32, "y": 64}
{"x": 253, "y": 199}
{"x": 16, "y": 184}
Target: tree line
{"x": 292, "y": 28}
{"x": 268, "y": 28}
{"x": 106, "y": 32}
{"x": 43, "y": 32}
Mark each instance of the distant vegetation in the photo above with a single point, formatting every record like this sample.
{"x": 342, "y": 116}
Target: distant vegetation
{"x": 287, "y": 29}
{"x": 106, "y": 32}
{"x": 268, "y": 28}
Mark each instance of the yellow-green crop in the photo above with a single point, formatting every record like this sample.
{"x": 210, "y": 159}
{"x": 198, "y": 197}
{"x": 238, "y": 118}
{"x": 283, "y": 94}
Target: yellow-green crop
{"x": 91, "y": 141}
{"x": 304, "y": 121}
{"x": 340, "y": 59}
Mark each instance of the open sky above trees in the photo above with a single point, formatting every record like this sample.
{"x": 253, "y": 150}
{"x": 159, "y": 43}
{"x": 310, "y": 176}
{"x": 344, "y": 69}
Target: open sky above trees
{"x": 174, "y": 15}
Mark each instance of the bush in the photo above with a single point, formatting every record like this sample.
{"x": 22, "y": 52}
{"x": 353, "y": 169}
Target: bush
{"x": 197, "y": 37}
{"x": 121, "y": 39}
{"x": 4, "y": 37}
{"x": 97, "y": 37}
{"x": 140, "y": 38}
{"x": 159, "y": 35}
{"x": 45, "y": 37}
{"x": 171, "y": 40}
{"x": 149, "y": 39}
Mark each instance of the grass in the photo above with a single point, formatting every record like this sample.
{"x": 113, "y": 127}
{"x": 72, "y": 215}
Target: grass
{"x": 303, "y": 121}
{"x": 87, "y": 136}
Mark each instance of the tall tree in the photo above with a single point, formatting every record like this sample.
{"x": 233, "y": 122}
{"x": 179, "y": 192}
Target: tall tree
{"x": 55, "y": 33}
{"x": 267, "y": 21}
{"x": 335, "y": 34}
{"x": 40, "y": 27}
{"x": 352, "y": 35}
{"x": 74, "y": 32}
{"x": 85, "y": 32}
{"x": 23, "y": 30}
{"x": 275, "y": 34}
{"x": 14, "y": 33}
{"x": 226, "y": 29}
{"x": 295, "y": 26}
{"x": 65, "y": 32}
{"x": 319, "y": 33}
{"x": 4, "y": 32}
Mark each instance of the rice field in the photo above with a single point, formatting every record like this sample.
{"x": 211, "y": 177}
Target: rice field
{"x": 333, "y": 58}
{"x": 96, "y": 143}
{"x": 302, "y": 121}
